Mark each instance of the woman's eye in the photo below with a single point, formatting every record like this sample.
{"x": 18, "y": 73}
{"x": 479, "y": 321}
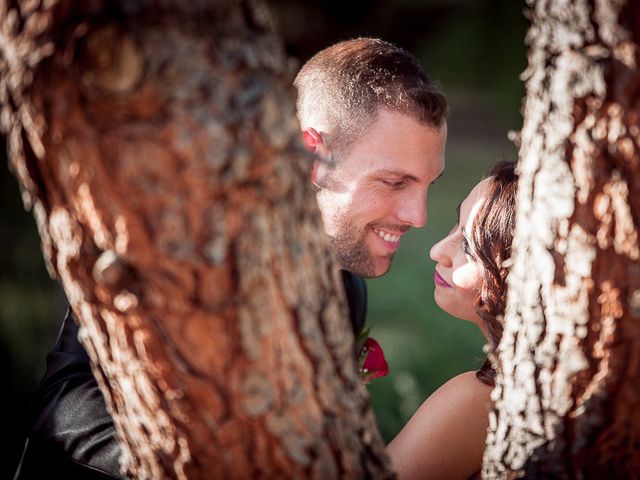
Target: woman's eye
{"x": 466, "y": 247}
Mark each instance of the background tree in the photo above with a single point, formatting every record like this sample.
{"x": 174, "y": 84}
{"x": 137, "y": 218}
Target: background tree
{"x": 155, "y": 143}
{"x": 568, "y": 394}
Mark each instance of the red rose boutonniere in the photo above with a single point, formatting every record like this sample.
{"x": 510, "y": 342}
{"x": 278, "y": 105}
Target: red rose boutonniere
{"x": 370, "y": 358}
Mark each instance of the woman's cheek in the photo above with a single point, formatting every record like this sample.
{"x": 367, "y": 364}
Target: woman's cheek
{"x": 467, "y": 277}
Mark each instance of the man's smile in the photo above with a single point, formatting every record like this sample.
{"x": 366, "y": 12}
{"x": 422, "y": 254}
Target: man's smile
{"x": 387, "y": 236}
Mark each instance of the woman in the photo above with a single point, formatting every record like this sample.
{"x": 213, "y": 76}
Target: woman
{"x": 445, "y": 437}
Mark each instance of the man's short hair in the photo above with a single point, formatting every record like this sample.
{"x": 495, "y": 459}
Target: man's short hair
{"x": 341, "y": 88}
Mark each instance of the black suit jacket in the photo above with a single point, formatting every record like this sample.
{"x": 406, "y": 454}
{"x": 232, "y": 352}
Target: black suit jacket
{"x": 73, "y": 436}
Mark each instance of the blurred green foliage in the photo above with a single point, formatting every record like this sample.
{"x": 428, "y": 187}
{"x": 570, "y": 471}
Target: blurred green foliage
{"x": 475, "y": 48}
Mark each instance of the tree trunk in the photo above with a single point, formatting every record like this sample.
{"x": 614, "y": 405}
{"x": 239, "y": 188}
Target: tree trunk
{"x": 156, "y": 144}
{"x": 568, "y": 389}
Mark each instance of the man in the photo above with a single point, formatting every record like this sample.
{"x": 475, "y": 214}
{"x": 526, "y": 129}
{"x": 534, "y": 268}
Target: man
{"x": 377, "y": 124}
{"x": 370, "y": 111}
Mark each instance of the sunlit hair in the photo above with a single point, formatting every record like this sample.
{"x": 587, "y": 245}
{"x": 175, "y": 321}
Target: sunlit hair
{"x": 491, "y": 237}
{"x": 341, "y": 88}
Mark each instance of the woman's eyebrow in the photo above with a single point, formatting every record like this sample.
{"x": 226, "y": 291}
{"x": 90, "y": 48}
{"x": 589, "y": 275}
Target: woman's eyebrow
{"x": 458, "y": 212}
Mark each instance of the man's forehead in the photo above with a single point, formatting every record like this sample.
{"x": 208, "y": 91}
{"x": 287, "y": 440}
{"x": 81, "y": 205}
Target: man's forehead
{"x": 432, "y": 175}
{"x": 398, "y": 145}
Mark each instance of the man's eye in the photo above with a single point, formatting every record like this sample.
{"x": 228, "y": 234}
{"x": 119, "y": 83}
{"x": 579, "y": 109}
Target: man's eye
{"x": 392, "y": 184}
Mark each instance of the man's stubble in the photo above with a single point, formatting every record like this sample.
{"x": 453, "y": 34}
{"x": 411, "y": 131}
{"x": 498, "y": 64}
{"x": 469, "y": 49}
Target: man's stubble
{"x": 352, "y": 251}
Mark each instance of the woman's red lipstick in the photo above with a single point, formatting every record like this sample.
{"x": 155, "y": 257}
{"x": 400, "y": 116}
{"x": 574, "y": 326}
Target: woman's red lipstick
{"x": 437, "y": 278}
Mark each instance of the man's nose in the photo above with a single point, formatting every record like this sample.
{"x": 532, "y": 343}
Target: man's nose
{"x": 413, "y": 211}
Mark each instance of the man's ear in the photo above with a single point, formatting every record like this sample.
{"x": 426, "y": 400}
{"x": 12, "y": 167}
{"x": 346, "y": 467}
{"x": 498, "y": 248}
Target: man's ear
{"x": 315, "y": 173}
{"x": 312, "y": 140}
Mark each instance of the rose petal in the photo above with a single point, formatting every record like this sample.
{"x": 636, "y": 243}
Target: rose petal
{"x": 373, "y": 363}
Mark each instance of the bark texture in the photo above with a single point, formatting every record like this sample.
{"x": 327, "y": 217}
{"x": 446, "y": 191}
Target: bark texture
{"x": 156, "y": 144}
{"x": 568, "y": 390}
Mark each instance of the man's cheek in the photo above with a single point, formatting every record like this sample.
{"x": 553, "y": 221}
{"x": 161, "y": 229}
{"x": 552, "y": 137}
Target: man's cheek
{"x": 337, "y": 220}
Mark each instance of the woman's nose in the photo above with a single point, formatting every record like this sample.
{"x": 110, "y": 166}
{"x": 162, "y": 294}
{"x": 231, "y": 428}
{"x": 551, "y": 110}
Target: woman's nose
{"x": 438, "y": 252}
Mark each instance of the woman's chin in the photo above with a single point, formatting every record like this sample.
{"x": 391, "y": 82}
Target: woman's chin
{"x": 457, "y": 304}
{"x": 455, "y": 309}
{"x": 443, "y": 304}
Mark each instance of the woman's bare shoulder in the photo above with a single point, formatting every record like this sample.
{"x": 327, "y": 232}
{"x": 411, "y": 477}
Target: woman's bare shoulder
{"x": 463, "y": 388}
{"x": 445, "y": 437}
{"x": 462, "y": 402}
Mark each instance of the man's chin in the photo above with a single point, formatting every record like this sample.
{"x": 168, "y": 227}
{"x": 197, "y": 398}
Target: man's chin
{"x": 384, "y": 268}
{"x": 360, "y": 260}
{"x": 379, "y": 268}
{"x": 368, "y": 269}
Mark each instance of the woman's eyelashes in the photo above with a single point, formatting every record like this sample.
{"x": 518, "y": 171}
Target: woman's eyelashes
{"x": 465, "y": 245}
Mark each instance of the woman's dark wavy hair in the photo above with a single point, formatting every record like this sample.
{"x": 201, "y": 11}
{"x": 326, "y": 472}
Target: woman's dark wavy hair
{"x": 491, "y": 237}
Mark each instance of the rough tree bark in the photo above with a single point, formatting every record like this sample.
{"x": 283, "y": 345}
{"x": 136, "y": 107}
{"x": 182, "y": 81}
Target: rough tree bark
{"x": 568, "y": 393}
{"x": 155, "y": 144}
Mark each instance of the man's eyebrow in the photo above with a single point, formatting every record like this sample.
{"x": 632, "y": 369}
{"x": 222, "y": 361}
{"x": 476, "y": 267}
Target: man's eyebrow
{"x": 396, "y": 173}
{"x": 403, "y": 174}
